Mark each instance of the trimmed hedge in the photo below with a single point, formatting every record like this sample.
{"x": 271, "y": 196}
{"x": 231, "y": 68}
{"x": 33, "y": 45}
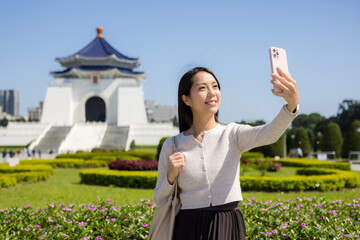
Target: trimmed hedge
{"x": 333, "y": 180}
{"x": 126, "y": 179}
{"x": 7, "y": 181}
{"x": 66, "y": 163}
{"x": 313, "y": 163}
{"x": 118, "y": 155}
{"x": 252, "y": 155}
{"x": 10, "y": 176}
{"x": 30, "y": 176}
{"x": 27, "y": 168}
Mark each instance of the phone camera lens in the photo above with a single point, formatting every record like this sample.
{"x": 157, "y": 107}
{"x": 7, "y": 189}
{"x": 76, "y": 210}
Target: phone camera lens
{"x": 274, "y": 55}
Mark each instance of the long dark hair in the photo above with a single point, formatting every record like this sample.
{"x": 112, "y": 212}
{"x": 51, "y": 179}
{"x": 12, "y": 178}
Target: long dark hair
{"x": 185, "y": 84}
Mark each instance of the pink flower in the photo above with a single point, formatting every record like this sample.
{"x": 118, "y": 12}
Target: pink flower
{"x": 27, "y": 229}
{"x": 26, "y": 206}
{"x": 113, "y": 219}
{"x": 275, "y": 231}
{"x": 303, "y": 224}
{"x": 98, "y": 237}
{"x": 126, "y": 232}
{"x": 145, "y": 225}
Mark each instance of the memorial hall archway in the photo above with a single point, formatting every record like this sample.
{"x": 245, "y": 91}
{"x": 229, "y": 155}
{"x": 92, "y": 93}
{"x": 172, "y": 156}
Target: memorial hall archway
{"x": 95, "y": 110}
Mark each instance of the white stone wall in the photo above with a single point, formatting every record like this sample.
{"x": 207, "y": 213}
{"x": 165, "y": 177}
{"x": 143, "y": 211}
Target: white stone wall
{"x": 21, "y": 134}
{"x": 57, "y": 105}
{"x": 151, "y": 133}
{"x": 66, "y": 98}
{"x": 131, "y": 105}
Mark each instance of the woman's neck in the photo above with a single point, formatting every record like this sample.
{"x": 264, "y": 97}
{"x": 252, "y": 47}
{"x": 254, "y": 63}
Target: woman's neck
{"x": 202, "y": 124}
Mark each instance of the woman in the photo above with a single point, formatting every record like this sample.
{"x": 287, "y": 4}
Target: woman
{"x": 207, "y": 159}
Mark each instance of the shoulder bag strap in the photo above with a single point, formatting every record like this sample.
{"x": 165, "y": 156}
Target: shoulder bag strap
{"x": 175, "y": 149}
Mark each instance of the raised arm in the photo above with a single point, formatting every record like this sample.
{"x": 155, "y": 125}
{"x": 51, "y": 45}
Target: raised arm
{"x": 250, "y": 137}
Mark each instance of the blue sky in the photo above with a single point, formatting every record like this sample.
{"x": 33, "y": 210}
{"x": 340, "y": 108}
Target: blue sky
{"x": 322, "y": 39}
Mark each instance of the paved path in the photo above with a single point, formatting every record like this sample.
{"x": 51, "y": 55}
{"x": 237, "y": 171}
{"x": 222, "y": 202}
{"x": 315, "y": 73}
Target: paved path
{"x": 15, "y": 160}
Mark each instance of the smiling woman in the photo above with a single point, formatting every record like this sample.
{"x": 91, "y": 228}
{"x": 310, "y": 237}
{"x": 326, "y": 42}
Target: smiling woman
{"x": 206, "y": 163}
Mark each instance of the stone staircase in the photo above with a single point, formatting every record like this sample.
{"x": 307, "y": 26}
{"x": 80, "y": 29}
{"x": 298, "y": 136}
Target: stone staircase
{"x": 83, "y": 136}
{"x": 52, "y": 139}
{"x": 115, "y": 137}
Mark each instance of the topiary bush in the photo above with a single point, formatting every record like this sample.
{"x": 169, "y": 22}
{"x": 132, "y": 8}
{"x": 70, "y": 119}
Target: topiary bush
{"x": 159, "y": 147}
{"x": 332, "y": 139}
{"x": 352, "y": 139}
{"x": 127, "y": 179}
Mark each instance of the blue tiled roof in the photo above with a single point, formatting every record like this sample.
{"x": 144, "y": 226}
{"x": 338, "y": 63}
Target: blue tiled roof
{"x": 99, "y": 69}
{"x": 98, "y": 48}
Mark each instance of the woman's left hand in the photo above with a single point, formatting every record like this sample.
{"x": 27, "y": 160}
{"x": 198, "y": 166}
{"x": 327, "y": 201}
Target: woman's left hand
{"x": 288, "y": 88}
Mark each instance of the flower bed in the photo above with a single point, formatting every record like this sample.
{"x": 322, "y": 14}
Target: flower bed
{"x": 139, "y": 165}
{"x": 301, "y": 219}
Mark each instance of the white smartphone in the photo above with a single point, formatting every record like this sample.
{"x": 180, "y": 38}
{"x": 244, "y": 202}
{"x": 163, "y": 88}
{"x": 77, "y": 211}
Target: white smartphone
{"x": 278, "y": 59}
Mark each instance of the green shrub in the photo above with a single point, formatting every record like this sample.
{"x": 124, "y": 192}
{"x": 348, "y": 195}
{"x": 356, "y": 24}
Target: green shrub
{"x": 304, "y": 162}
{"x": 66, "y": 163}
{"x": 30, "y": 177}
{"x": 94, "y": 164}
{"x": 27, "y": 168}
{"x": 352, "y": 139}
{"x": 332, "y": 139}
{"x": 302, "y": 140}
{"x": 87, "y": 156}
{"x": 252, "y": 155}
{"x": 331, "y": 179}
{"x": 7, "y": 181}
{"x": 133, "y": 179}
{"x": 159, "y": 147}
{"x": 63, "y": 163}
{"x": 272, "y": 150}
{"x": 99, "y": 149}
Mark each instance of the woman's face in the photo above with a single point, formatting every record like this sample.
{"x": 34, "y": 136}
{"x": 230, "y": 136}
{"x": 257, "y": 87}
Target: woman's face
{"x": 204, "y": 95}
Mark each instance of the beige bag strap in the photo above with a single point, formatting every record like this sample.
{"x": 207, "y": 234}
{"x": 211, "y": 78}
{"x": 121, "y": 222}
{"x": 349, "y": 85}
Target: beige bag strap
{"x": 175, "y": 149}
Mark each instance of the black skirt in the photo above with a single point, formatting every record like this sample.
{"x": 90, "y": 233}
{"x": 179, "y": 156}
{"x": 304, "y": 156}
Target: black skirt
{"x": 211, "y": 223}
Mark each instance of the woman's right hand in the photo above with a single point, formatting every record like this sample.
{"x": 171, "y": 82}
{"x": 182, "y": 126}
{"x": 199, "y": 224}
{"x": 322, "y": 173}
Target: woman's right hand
{"x": 176, "y": 163}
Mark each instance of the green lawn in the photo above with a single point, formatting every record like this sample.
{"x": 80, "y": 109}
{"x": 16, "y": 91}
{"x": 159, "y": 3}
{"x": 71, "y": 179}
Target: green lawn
{"x": 64, "y": 187}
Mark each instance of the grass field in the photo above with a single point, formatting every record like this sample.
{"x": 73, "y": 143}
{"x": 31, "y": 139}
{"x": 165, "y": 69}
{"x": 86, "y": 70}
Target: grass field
{"x": 64, "y": 187}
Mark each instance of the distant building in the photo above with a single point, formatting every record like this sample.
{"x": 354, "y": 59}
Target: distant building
{"x": 160, "y": 113}
{"x": 35, "y": 113}
{"x": 9, "y": 102}
{"x": 96, "y": 101}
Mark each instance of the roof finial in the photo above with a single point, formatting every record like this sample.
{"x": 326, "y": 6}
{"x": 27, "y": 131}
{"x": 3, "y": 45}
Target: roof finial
{"x": 99, "y": 32}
